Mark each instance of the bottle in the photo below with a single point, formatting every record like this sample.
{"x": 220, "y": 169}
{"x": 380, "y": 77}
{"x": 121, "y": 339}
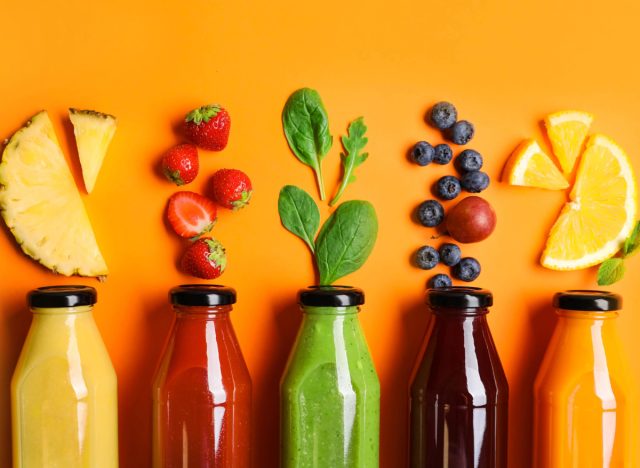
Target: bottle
{"x": 202, "y": 388}
{"x": 459, "y": 392}
{"x": 64, "y": 390}
{"x": 330, "y": 393}
{"x": 586, "y": 401}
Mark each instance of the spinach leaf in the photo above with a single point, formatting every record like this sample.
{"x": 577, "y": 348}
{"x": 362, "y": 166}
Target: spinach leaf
{"x": 353, "y": 143}
{"x": 306, "y": 127}
{"x": 299, "y": 214}
{"x": 346, "y": 240}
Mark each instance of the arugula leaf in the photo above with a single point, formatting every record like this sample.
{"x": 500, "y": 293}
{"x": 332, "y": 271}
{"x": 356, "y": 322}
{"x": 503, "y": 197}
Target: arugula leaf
{"x": 632, "y": 243}
{"x": 353, "y": 143}
{"x": 346, "y": 240}
{"x": 299, "y": 214}
{"x": 611, "y": 271}
{"x": 306, "y": 127}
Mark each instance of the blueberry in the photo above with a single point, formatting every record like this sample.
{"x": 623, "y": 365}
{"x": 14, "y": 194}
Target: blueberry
{"x": 427, "y": 257}
{"x": 443, "y": 115}
{"x": 430, "y": 213}
{"x": 439, "y": 281}
{"x": 422, "y": 153}
{"x": 475, "y": 181}
{"x": 448, "y": 187}
{"x": 461, "y": 132}
{"x": 468, "y": 160}
{"x": 450, "y": 254}
{"x": 468, "y": 269}
{"x": 443, "y": 154}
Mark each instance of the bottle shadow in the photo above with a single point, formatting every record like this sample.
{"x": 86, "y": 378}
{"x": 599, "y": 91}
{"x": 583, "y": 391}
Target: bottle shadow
{"x": 135, "y": 389}
{"x": 394, "y": 422}
{"x": 16, "y": 320}
{"x": 541, "y": 323}
{"x": 266, "y": 383}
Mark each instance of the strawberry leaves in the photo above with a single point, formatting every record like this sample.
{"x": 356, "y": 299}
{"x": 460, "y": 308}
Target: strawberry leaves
{"x": 353, "y": 143}
{"x": 203, "y": 114}
{"x": 612, "y": 270}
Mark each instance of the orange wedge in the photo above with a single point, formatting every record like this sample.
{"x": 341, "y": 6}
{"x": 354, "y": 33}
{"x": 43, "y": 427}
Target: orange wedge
{"x": 530, "y": 166}
{"x": 567, "y": 131}
{"x": 601, "y": 212}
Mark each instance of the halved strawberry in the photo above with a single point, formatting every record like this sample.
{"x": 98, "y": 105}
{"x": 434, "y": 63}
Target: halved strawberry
{"x": 191, "y": 214}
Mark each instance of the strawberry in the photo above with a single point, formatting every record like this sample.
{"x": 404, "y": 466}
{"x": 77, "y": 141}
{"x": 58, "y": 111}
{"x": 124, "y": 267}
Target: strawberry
{"x": 208, "y": 127}
{"x": 191, "y": 214}
{"x": 180, "y": 164}
{"x": 205, "y": 258}
{"x": 231, "y": 188}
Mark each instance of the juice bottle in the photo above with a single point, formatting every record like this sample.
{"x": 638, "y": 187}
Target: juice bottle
{"x": 586, "y": 401}
{"x": 64, "y": 390}
{"x": 459, "y": 393}
{"x": 202, "y": 389}
{"x": 330, "y": 394}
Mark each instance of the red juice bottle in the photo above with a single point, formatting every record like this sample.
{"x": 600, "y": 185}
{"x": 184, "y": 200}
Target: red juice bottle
{"x": 202, "y": 389}
{"x": 459, "y": 392}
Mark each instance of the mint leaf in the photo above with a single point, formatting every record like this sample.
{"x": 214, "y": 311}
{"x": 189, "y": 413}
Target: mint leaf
{"x": 610, "y": 271}
{"x": 353, "y": 143}
{"x": 633, "y": 242}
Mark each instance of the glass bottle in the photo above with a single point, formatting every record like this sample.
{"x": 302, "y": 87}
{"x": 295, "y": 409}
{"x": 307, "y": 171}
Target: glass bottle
{"x": 330, "y": 393}
{"x": 459, "y": 392}
{"x": 202, "y": 389}
{"x": 64, "y": 389}
{"x": 586, "y": 400}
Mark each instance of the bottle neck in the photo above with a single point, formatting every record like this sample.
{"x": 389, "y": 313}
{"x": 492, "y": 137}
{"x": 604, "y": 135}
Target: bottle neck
{"x": 202, "y": 312}
{"x": 449, "y": 313}
{"x": 329, "y": 312}
{"x": 62, "y": 311}
{"x": 587, "y": 316}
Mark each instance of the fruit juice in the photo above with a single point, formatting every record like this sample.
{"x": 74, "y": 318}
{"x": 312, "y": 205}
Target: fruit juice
{"x": 459, "y": 392}
{"x": 202, "y": 390}
{"x": 64, "y": 390}
{"x": 586, "y": 401}
{"x": 330, "y": 393}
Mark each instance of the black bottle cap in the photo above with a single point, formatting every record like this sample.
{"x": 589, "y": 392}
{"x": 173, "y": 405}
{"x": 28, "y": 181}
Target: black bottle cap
{"x": 331, "y": 296}
{"x": 202, "y": 295}
{"x": 62, "y": 296}
{"x": 459, "y": 297}
{"x": 588, "y": 300}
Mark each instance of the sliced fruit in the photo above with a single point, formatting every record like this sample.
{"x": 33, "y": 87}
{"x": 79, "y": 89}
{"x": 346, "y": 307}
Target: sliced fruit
{"x": 191, "y": 214}
{"x": 567, "y": 131}
{"x": 93, "y": 131}
{"x": 530, "y": 166}
{"x": 41, "y": 204}
{"x": 601, "y": 213}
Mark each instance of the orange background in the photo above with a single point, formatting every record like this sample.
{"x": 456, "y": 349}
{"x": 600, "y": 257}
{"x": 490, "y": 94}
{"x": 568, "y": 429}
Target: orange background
{"x": 504, "y": 64}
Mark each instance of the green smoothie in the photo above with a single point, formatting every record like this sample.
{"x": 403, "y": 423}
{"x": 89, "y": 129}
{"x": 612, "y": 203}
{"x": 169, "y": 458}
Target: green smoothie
{"x": 330, "y": 394}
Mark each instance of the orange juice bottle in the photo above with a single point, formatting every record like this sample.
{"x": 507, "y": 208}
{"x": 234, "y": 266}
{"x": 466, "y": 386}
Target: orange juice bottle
{"x": 586, "y": 412}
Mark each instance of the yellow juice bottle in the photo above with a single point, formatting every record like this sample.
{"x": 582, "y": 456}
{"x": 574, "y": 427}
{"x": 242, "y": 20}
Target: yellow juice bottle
{"x": 586, "y": 399}
{"x": 64, "y": 390}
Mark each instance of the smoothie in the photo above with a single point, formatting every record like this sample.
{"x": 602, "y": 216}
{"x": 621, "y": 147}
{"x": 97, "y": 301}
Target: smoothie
{"x": 330, "y": 394}
{"x": 64, "y": 391}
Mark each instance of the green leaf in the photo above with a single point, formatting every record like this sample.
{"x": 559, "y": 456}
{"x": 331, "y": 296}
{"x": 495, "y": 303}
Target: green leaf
{"x": 353, "y": 143}
{"x": 633, "y": 242}
{"x": 299, "y": 214}
{"x": 610, "y": 271}
{"x": 306, "y": 127}
{"x": 346, "y": 240}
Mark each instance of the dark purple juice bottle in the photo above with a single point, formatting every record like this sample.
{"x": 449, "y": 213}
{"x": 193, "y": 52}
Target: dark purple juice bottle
{"x": 459, "y": 393}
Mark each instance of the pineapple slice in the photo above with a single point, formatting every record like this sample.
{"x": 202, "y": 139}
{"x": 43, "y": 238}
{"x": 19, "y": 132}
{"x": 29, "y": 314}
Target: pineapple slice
{"x": 93, "y": 131}
{"x": 41, "y": 204}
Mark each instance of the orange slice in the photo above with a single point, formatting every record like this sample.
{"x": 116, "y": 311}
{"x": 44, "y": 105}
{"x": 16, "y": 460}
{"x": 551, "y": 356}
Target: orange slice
{"x": 601, "y": 212}
{"x": 530, "y": 166}
{"x": 567, "y": 131}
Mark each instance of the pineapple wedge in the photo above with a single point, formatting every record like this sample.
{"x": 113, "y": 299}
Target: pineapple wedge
{"x": 41, "y": 204}
{"x": 93, "y": 131}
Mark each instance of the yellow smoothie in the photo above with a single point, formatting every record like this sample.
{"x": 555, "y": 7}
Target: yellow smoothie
{"x": 64, "y": 394}
{"x": 586, "y": 412}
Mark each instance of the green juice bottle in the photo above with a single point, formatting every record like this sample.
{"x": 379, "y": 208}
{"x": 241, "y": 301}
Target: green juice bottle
{"x": 330, "y": 393}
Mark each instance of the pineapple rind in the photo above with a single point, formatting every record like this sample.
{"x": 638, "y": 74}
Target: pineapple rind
{"x": 41, "y": 205}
